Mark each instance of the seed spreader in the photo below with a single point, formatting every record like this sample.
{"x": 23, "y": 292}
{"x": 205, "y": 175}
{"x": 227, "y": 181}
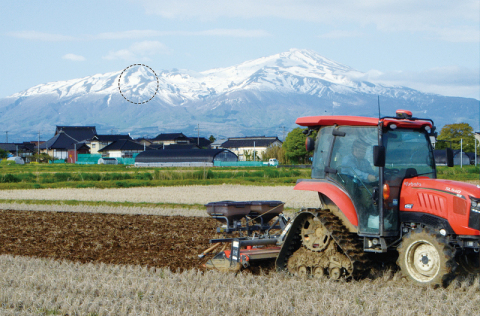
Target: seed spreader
{"x": 252, "y": 227}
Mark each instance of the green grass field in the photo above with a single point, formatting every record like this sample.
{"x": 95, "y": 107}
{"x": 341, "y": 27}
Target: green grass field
{"x": 37, "y": 176}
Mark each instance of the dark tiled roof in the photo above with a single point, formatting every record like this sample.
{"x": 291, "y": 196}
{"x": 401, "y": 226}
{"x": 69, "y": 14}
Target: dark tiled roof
{"x": 169, "y": 136}
{"x": 13, "y": 147}
{"x": 59, "y": 141}
{"x": 8, "y": 146}
{"x": 203, "y": 141}
{"x": 79, "y": 146}
{"x": 260, "y": 141}
{"x": 28, "y": 146}
{"x": 124, "y": 144}
{"x": 179, "y": 146}
{"x": 78, "y": 133}
{"x": 181, "y": 155}
{"x": 110, "y": 138}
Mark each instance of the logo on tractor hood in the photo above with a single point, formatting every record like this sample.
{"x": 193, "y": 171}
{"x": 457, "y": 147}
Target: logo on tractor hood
{"x": 412, "y": 184}
{"x": 453, "y": 190}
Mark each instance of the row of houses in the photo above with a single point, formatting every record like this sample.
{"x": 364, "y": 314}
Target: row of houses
{"x": 70, "y": 141}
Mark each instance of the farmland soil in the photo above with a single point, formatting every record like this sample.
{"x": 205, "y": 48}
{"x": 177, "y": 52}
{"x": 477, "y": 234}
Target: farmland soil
{"x": 155, "y": 241}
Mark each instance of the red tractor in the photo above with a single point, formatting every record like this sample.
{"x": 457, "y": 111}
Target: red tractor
{"x": 376, "y": 180}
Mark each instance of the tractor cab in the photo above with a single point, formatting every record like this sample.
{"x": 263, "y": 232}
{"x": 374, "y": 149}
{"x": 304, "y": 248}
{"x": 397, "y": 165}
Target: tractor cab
{"x": 368, "y": 159}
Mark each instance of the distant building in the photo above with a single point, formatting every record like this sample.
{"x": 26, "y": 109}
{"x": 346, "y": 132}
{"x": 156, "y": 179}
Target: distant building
{"x": 122, "y": 149}
{"x": 171, "y": 138}
{"x": 144, "y": 141}
{"x": 217, "y": 143}
{"x": 183, "y": 157}
{"x": 244, "y": 146}
{"x": 59, "y": 145}
{"x": 178, "y": 146}
{"x": 98, "y": 142}
{"x": 78, "y": 133}
{"x": 201, "y": 142}
{"x": 460, "y": 158}
{"x": 25, "y": 150}
{"x": 472, "y": 157}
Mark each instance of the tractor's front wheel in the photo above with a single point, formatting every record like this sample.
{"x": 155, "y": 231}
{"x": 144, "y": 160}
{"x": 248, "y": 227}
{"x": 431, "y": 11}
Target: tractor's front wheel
{"x": 426, "y": 258}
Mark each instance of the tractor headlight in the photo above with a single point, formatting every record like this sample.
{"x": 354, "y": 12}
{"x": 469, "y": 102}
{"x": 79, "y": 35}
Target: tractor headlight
{"x": 474, "y": 218}
{"x": 475, "y": 204}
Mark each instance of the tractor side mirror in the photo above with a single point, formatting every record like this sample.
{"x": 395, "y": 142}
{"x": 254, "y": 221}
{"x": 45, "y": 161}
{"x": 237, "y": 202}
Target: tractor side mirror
{"x": 449, "y": 157}
{"x": 379, "y": 156}
{"x": 309, "y": 144}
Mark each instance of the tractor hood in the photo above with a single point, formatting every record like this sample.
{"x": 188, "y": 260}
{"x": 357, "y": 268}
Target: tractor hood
{"x": 447, "y": 199}
{"x": 448, "y": 186}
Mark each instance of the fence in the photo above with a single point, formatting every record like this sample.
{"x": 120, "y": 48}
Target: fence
{"x": 88, "y": 159}
{"x": 92, "y": 159}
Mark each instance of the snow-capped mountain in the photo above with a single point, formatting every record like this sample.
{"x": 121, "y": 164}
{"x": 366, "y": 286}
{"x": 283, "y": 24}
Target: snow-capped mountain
{"x": 255, "y": 97}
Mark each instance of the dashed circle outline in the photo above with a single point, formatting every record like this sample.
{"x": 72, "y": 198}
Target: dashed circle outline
{"x": 120, "y": 77}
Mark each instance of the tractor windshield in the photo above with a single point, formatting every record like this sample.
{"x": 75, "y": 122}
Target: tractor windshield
{"x": 408, "y": 149}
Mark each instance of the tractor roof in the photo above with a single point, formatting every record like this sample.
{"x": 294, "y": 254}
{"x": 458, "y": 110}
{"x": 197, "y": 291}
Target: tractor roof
{"x": 360, "y": 121}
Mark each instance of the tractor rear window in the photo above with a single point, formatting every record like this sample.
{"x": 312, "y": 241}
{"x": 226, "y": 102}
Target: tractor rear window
{"x": 322, "y": 148}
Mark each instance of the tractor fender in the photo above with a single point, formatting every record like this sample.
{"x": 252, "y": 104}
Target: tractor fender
{"x": 335, "y": 194}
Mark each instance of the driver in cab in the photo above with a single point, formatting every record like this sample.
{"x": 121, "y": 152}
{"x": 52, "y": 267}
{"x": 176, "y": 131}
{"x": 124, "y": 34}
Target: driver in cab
{"x": 356, "y": 165}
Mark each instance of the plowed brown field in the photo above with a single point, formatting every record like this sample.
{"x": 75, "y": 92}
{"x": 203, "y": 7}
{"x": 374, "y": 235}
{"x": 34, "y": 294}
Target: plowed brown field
{"x": 156, "y": 241}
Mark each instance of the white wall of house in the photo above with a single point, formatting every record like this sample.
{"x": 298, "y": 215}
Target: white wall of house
{"x": 260, "y": 151}
{"x": 121, "y": 153}
{"x": 57, "y": 154}
{"x": 95, "y": 146}
{"x": 114, "y": 154}
{"x": 169, "y": 142}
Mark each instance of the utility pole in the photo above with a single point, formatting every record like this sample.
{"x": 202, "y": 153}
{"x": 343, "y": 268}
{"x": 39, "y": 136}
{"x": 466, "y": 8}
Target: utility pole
{"x": 461, "y": 152}
{"x": 6, "y": 133}
{"x": 198, "y": 135}
{"x": 38, "y": 147}
{"x": 283, "y": 133}
{"x": 475, "y": 151}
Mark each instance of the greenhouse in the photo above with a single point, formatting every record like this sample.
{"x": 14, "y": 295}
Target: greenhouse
{"x": 183, "y": 157}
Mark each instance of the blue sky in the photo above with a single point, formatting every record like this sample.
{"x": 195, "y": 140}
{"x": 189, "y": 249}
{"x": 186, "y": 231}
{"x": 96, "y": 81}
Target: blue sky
{"x": 429, "y": 45}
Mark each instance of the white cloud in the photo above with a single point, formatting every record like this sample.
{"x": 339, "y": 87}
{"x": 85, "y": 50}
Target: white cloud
{"x": 40, "y": 36}
{"x": 440, "y": 18}
{"x": 124, "y": 54}
{"x": 451, "y": 81}
{"x": 73, "y": 57}
{"x": 139, "y": 50}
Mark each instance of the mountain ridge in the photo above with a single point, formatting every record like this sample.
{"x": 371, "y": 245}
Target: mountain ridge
{"x": 256, "y": 96}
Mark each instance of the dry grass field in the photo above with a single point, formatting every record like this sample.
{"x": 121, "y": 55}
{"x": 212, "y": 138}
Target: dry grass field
{"x": 110, "y": 264}
{"x": 74, "y": 261}
{"x": 199, "y": 194}
{"x": 31, "y": 286}
{"x": 139, "y": 210}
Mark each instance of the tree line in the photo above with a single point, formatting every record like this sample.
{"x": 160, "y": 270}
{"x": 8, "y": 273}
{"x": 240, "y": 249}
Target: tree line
{"x": 293, "y": 149}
